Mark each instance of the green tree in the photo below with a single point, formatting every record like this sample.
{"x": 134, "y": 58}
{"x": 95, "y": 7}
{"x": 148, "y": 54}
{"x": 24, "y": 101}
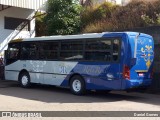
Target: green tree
{"x": 40, "y": 24}
{"x": 63, "y": 17}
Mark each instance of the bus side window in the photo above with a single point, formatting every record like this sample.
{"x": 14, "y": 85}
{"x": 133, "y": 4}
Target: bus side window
{"x": 107, "y": 56}
{"x": 29, "y": 51}
{"x": 98, "y": 50}
{"x": 71, "y": 50}
{"x": 14, "y": 51}
{"x": 33, "y": 49}
{"x": 48, "y": 50}
{"x": 24, "y": 53}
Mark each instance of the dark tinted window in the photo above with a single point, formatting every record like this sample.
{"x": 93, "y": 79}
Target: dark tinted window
{"x": 71, "y": 50}
{"x": 49, "y": 50}
{"x": 78, "y": 55}
{"x": 98, "y": 55}
{"x": 13, "y": 51}
{"x": 72, "y": 45}
{"x": 29, "y": 51}
{"x": 98, "y": 45}
{"x": 98, "y": 50}
{"x": 102, "y": 49}
{"x": 90, "y": 49}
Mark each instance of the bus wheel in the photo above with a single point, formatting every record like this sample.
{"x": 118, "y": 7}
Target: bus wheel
{"x": 24, "y": 80}
{"x": 77, "y": 85}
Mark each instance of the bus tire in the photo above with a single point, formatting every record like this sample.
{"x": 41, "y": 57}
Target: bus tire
{"x": 77, "y": 85}
{"x": 24, "y": 80}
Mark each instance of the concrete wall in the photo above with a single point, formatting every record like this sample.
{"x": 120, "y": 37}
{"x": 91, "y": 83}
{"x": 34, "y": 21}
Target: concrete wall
{"x": 7, "y": 35}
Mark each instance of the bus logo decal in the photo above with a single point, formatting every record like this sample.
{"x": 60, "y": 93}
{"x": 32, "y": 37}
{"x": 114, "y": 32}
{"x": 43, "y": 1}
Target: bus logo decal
{"x": 63, "y": 68}
{"x": 147, "y": 53}
{"x": 96, "y": 70}
{"x": 38, "y": 67}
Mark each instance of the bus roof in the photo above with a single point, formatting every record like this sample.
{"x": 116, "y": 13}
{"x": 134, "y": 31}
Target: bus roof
{"x": 80, "y": 36}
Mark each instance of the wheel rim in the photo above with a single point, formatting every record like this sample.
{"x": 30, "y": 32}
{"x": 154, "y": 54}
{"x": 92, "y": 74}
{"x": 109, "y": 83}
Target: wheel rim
{"x": 24, "y": 80}
{"x": 76, "y": 85}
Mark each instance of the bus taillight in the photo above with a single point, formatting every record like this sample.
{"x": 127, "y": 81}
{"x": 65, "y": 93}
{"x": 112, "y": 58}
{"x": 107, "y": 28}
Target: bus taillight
{"x": 126, "y": 72}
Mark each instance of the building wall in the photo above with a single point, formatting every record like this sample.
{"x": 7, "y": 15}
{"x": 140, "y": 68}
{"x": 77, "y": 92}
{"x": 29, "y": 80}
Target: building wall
{"x": 6, "y": 35}
{"x": 30, "y": 4}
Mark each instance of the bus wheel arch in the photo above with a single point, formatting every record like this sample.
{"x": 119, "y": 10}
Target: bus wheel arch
{"x": 77, "y": 84}
{"x": 24, "y": 78}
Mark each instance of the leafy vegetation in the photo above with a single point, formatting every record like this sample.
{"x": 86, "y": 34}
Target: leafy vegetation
{"x": 40, "y": 24}
{"x": 116, "y": 18}
{"x": 63, "y": 17}
{"x": 69, "y": 17}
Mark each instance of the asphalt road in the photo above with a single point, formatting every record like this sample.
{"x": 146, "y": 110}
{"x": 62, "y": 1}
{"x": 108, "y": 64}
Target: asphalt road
{"x": 50, "y": 98}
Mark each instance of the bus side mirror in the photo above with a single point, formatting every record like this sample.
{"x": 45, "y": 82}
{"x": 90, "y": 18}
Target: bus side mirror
{"x": 133, "y": 61}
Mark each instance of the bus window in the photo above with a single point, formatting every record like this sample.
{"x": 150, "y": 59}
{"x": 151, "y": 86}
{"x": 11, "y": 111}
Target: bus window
{"x": 99, "y": 50}
{"x": 101, "y": 56}
{"x": 13, "y": 51}
{"x": 49, "y": 50}
{"x": 71, "y": 50}
{"x": 29, "y": 51}
{"x": 98, "y": 45}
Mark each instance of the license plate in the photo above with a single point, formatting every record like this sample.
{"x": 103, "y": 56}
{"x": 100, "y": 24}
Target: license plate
{"x": 141, "y": 74}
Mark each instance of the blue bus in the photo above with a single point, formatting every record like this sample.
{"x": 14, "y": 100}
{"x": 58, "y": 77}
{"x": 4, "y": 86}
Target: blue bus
{"x": 97, "y": 61}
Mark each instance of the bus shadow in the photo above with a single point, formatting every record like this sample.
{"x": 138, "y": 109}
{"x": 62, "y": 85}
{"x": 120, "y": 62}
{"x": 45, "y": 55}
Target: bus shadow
{"x": 52, "y": 94}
